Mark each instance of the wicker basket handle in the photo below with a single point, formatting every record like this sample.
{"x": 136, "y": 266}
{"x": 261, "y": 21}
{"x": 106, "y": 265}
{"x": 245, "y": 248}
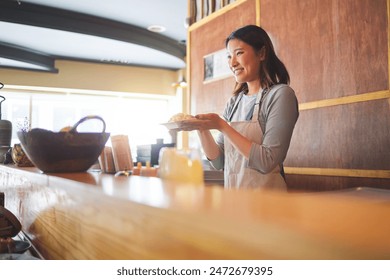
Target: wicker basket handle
{"x": 74, "y": 128}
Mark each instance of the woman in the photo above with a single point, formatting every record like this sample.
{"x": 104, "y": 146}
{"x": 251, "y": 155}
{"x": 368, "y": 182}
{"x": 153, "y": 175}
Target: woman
{"x": 258, "y": 121}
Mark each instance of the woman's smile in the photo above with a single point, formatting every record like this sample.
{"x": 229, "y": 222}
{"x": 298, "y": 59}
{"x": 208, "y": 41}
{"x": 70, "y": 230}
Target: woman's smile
{"x": 238, "y": 71}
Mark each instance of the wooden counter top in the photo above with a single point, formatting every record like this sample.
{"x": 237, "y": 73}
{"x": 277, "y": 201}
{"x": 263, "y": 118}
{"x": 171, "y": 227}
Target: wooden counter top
{"x": 98, "y": 216}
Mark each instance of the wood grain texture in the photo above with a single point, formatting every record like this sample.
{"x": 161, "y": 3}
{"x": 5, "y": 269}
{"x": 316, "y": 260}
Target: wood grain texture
{"x": 364, "y": 97}
{"x": 308, "y": 183}
{"x": 332, "y": 48}
{"x": 353, "y": 136}
{"x": 337, "y": 172}
{"x": 337, "y": 54}
{"x": 147, "y": 218}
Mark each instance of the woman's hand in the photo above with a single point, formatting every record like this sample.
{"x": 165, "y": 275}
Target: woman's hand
{"x": 203, "y": 122}
{"x": 211, "y": 121}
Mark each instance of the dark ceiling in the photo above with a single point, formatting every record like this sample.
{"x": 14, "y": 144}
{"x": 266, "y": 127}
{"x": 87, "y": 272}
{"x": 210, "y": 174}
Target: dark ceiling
{"x": 36, "y": 33}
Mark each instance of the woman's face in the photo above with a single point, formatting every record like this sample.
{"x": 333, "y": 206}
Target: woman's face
{"x": 244, "y": 61}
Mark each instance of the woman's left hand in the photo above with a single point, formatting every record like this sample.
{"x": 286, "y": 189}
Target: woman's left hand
{"x": 204, "y": 122}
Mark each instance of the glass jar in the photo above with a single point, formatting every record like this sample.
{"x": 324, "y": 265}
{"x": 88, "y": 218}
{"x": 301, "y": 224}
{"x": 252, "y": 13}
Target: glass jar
{"x": 181, "y": 165}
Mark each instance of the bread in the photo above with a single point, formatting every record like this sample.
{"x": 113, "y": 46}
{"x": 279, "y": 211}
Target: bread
{"x": 66, "y": 129}
{"x": 9, "y": 224}
{"x": 180, "y": 117}
{"x": 19, "y": 157}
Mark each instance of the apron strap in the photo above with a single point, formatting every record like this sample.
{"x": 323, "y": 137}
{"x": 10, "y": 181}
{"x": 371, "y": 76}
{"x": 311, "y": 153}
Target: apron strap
{"x": 259, "y": 100}
{"x": 235, "y": 106}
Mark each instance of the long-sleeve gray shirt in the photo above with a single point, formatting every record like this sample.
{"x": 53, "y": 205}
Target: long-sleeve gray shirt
{"x": 277, "y": 118}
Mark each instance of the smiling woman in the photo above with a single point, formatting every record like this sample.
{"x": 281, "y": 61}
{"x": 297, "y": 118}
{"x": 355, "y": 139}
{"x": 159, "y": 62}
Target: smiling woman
{"x": 256, "y": 126}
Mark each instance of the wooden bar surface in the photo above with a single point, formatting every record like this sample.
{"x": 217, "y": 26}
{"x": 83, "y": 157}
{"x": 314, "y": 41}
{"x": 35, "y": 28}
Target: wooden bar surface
{"x": 98, "y": 216}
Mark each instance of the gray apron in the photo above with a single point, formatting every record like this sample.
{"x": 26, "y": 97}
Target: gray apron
{"x": 237, "y": 173}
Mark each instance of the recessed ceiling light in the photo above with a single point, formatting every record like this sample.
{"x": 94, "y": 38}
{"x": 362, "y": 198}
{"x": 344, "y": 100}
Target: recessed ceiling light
{"x": 156, "y": 28}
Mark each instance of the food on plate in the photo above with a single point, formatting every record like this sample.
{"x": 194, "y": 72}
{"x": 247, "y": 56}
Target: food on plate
{"x": 181, "y": 117}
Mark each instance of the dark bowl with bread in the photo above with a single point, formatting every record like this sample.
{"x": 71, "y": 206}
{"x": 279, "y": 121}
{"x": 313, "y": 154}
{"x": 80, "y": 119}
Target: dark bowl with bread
{"x": 64, "y": 151}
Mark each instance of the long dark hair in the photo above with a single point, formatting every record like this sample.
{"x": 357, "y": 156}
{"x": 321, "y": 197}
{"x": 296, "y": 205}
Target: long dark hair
{"x": 272, "y": 69}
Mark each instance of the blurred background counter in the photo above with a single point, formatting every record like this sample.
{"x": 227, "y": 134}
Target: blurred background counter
{"x": 98, "y": 216}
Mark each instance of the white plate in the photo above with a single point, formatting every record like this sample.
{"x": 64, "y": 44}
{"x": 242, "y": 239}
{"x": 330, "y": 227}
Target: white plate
{"x": 178, "y": 125}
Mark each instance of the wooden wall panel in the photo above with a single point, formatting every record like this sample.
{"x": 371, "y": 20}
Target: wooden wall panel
{"x": 332, "y": 48}
{"x": 329, "y": 183}
{"x": 337, "y": 54}
{"x": 352, "y": 136}
{"x": 208, "y": 37}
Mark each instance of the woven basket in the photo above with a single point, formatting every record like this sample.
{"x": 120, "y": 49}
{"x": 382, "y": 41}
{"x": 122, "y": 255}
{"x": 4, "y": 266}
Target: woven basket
{"x": 19, "y": 157}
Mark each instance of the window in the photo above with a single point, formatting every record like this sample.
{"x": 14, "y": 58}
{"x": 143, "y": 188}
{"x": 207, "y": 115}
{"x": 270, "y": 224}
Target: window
{"x": 137, "y": 115}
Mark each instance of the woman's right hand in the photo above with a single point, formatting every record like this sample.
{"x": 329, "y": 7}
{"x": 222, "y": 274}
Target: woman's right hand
{"x": 210, "y": 121}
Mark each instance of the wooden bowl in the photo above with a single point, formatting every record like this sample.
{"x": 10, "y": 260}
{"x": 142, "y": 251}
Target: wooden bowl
{"x": 59, "y": 152}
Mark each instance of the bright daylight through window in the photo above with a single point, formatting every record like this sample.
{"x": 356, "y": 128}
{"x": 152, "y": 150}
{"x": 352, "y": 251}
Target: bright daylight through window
{"x": 126, "y": 114}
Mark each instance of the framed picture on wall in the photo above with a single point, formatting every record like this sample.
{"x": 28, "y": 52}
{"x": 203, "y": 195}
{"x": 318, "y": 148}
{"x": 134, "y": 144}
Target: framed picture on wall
{"x": 208, "y": 67}
{"x": 216, "y": 66}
